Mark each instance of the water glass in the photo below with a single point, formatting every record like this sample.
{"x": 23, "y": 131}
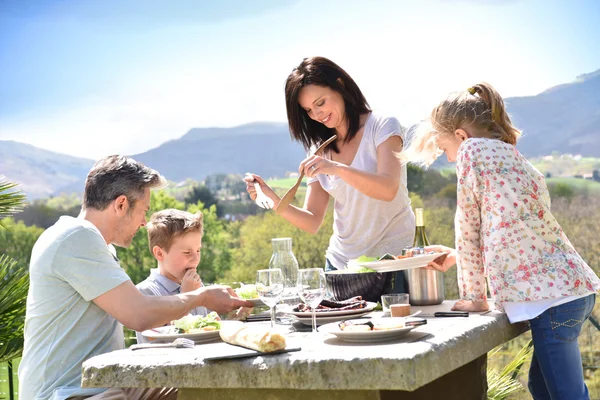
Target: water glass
{"x": 395, "y": 298}
{"x": 311, "y": 289}
{"x": 269, "y": 285}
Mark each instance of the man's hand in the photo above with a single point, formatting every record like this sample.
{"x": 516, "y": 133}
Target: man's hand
{"x": 444, "y": 262}
{"x": 473, "y": 306}
{"x": 221, "y": 299}
{"x": 191, "y": 281}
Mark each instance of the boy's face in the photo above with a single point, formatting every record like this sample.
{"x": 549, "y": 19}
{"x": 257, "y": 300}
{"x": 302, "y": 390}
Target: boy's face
{"x": 183, "y": 255}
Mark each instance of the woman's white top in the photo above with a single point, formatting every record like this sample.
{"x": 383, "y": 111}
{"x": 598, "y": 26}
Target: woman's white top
{"x": 363, "y": 225}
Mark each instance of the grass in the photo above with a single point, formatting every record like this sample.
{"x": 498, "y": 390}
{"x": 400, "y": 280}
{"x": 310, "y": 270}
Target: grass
{"x": 4, "y": 379}
{"x": 585, "y": 185}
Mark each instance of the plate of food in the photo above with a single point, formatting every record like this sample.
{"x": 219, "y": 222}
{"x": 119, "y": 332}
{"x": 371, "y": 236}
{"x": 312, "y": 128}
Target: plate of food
{"x": 389, "y": 263}
{"x": 368, "y": 330}
{"x": 326, "y": 319}
{"x": 330, "y": 308}
{"x": 249, "y": 292}
{"x": 194, "y": 327}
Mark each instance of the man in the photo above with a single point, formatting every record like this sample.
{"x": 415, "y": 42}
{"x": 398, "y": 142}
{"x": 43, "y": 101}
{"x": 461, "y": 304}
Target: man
{"x": 79, "y": 296}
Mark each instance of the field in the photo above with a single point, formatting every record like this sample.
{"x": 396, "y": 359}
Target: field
{"x": 581, "y": 185}
{"x": 4, "y": 380}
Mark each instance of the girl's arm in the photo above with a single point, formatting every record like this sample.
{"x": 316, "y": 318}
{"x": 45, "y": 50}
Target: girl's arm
{"x": 471, "y": 271}
{"x": 382, "y": 185}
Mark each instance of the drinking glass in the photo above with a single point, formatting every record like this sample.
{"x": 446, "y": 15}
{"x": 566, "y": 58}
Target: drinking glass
{"x": 311, "y": 289}
{"x": 269, "y": 285}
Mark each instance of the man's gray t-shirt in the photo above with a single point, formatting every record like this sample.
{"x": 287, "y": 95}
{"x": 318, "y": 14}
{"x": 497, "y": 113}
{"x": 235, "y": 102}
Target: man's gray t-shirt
{"x": 71, "y": 265}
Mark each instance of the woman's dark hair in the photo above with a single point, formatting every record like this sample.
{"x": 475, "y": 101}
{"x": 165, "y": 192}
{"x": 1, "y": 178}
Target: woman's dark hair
{"x": 322, "y": 72}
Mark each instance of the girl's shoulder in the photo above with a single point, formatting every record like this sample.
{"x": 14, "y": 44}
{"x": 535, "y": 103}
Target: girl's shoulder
{"x": 479, "y": 149}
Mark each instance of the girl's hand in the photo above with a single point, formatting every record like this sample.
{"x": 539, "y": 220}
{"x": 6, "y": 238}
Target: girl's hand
{"x": 191, "y": 281}
{"x": 442, "y": 263}
{"x": 270, "y": 193}
{"x": 315, "y": 165}
{"x": 473, "y": 306}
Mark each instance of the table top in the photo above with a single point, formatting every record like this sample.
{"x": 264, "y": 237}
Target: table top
{"x": 325, "y": 362}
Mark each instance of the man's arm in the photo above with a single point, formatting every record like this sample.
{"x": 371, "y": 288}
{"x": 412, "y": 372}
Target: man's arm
{"x": 139, "y": 312}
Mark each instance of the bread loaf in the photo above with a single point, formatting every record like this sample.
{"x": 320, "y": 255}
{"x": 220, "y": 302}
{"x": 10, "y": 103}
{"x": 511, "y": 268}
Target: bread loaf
{"x": 255, "y": 337}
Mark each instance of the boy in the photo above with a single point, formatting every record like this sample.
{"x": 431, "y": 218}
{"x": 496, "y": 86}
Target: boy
{"x": 175, "y": 240}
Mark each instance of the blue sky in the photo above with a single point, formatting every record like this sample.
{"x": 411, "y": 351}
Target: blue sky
{"x": 91, "y": 78}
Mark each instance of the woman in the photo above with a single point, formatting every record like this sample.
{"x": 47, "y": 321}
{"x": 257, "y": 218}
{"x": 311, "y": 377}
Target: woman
{"x": 361, "y": 169}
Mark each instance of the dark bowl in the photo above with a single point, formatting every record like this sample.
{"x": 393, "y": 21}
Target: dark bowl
{"x": 370, "y": 285}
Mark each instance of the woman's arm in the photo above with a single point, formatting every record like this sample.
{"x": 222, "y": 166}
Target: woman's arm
{"x": 310, "y": 217}
{"x": 382, "y": 185}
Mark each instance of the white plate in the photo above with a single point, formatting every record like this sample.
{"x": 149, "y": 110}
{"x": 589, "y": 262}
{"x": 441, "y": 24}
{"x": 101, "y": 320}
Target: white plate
{"x": 404, "y": 263}
{"x": 163, "y": 334}
{"x": 368, "y": 336}
{"x": 326, "y": 314}
{"x": 327, "y": 319}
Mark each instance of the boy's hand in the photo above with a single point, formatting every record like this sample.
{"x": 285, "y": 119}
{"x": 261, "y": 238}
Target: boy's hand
{"x": 221, "y": 299}
{"x": 191, "y": 281}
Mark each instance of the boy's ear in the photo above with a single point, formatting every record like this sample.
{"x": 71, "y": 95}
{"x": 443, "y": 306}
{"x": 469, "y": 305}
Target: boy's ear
{"x": 158, "y": 253}
{"x": 461, "y": 134}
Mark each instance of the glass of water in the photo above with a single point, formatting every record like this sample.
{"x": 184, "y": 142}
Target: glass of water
{"x": 269, "y": 285}
{"x": 311, "y": 289}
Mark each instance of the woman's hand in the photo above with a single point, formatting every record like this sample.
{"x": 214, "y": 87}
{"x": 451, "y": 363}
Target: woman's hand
{"x": 473, "y": 306}
{"x": 315, "y": 165}
{"x": 267, "y": 190}
{"x": 442, "y": 263}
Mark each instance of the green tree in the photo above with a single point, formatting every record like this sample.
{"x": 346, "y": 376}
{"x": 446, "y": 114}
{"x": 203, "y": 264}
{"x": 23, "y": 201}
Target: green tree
{"x": 254, "y": 247}
{"x": 17, "y": 240}
{"x": 14, "y": 279}
{"x": 216, "y": 242}
{"x": 202, "y": 193}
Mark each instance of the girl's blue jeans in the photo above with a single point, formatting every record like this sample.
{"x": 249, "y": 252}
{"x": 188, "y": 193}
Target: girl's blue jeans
{"x": 556, "y": 371}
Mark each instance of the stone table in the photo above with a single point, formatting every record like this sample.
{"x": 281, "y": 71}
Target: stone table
{"x": 447, "y": 358}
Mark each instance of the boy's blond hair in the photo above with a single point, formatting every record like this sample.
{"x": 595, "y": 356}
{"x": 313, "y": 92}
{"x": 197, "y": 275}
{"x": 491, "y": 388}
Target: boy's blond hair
{"x": 166, "y": 225}
{"x": 479, "y": 108}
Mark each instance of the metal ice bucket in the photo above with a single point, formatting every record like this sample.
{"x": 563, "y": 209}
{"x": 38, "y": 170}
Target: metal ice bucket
{"x": 425, "y": 286}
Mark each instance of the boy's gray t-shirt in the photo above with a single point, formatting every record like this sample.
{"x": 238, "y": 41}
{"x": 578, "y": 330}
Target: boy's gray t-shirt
{"x": 71, "y": 265}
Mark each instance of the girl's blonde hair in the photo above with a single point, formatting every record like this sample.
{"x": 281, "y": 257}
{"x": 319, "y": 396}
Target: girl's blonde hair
{"x": 479, "y": 109}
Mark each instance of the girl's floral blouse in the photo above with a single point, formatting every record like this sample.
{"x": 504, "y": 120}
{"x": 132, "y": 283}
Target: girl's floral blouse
{"x": 506, "y": 233}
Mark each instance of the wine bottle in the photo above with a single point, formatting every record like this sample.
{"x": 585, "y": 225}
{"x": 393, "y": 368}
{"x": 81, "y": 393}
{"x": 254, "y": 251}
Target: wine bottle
{"x": 420, "y": 234}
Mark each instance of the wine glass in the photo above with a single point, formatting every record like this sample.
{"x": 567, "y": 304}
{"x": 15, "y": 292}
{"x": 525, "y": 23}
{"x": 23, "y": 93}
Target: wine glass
{"x": 311, "y": 289}
{"x": 269, "y": 285}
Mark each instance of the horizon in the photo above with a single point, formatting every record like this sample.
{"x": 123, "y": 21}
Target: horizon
{"x": 133, "y": 76}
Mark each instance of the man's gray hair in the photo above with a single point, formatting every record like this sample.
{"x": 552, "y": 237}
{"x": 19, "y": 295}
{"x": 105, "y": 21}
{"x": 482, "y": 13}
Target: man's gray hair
{"x": 114, "y": 176}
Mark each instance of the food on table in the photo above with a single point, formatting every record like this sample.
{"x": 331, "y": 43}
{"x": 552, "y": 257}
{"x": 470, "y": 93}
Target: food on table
{"x": 259, "y": 338}
{"x": 366, "y": 326}
{"x": 399, "y": 310}
{"x": 406, "y": 253}
{"x": 353, "y": 303}
{"x": 247, "y": 292}
{"x": 197, "y": 323}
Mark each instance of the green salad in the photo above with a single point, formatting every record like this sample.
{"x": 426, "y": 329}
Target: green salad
{"x": 197, "y": 323}
{"x": 247, "y": 292}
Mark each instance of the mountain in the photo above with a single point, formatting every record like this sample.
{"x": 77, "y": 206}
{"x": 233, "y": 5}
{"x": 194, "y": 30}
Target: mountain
{"x": 40, "y": 172}
{"x": 565, "y": 118}
{"x": 263, "y": 148}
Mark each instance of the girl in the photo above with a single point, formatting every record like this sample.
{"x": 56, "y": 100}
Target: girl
{"x": 361, "y": 169}
{"x": 506, "y": 233}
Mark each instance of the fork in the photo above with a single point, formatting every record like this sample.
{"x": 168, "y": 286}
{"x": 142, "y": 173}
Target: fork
{"x": 177, "y": 343}
{"x": 261, "y": 199}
